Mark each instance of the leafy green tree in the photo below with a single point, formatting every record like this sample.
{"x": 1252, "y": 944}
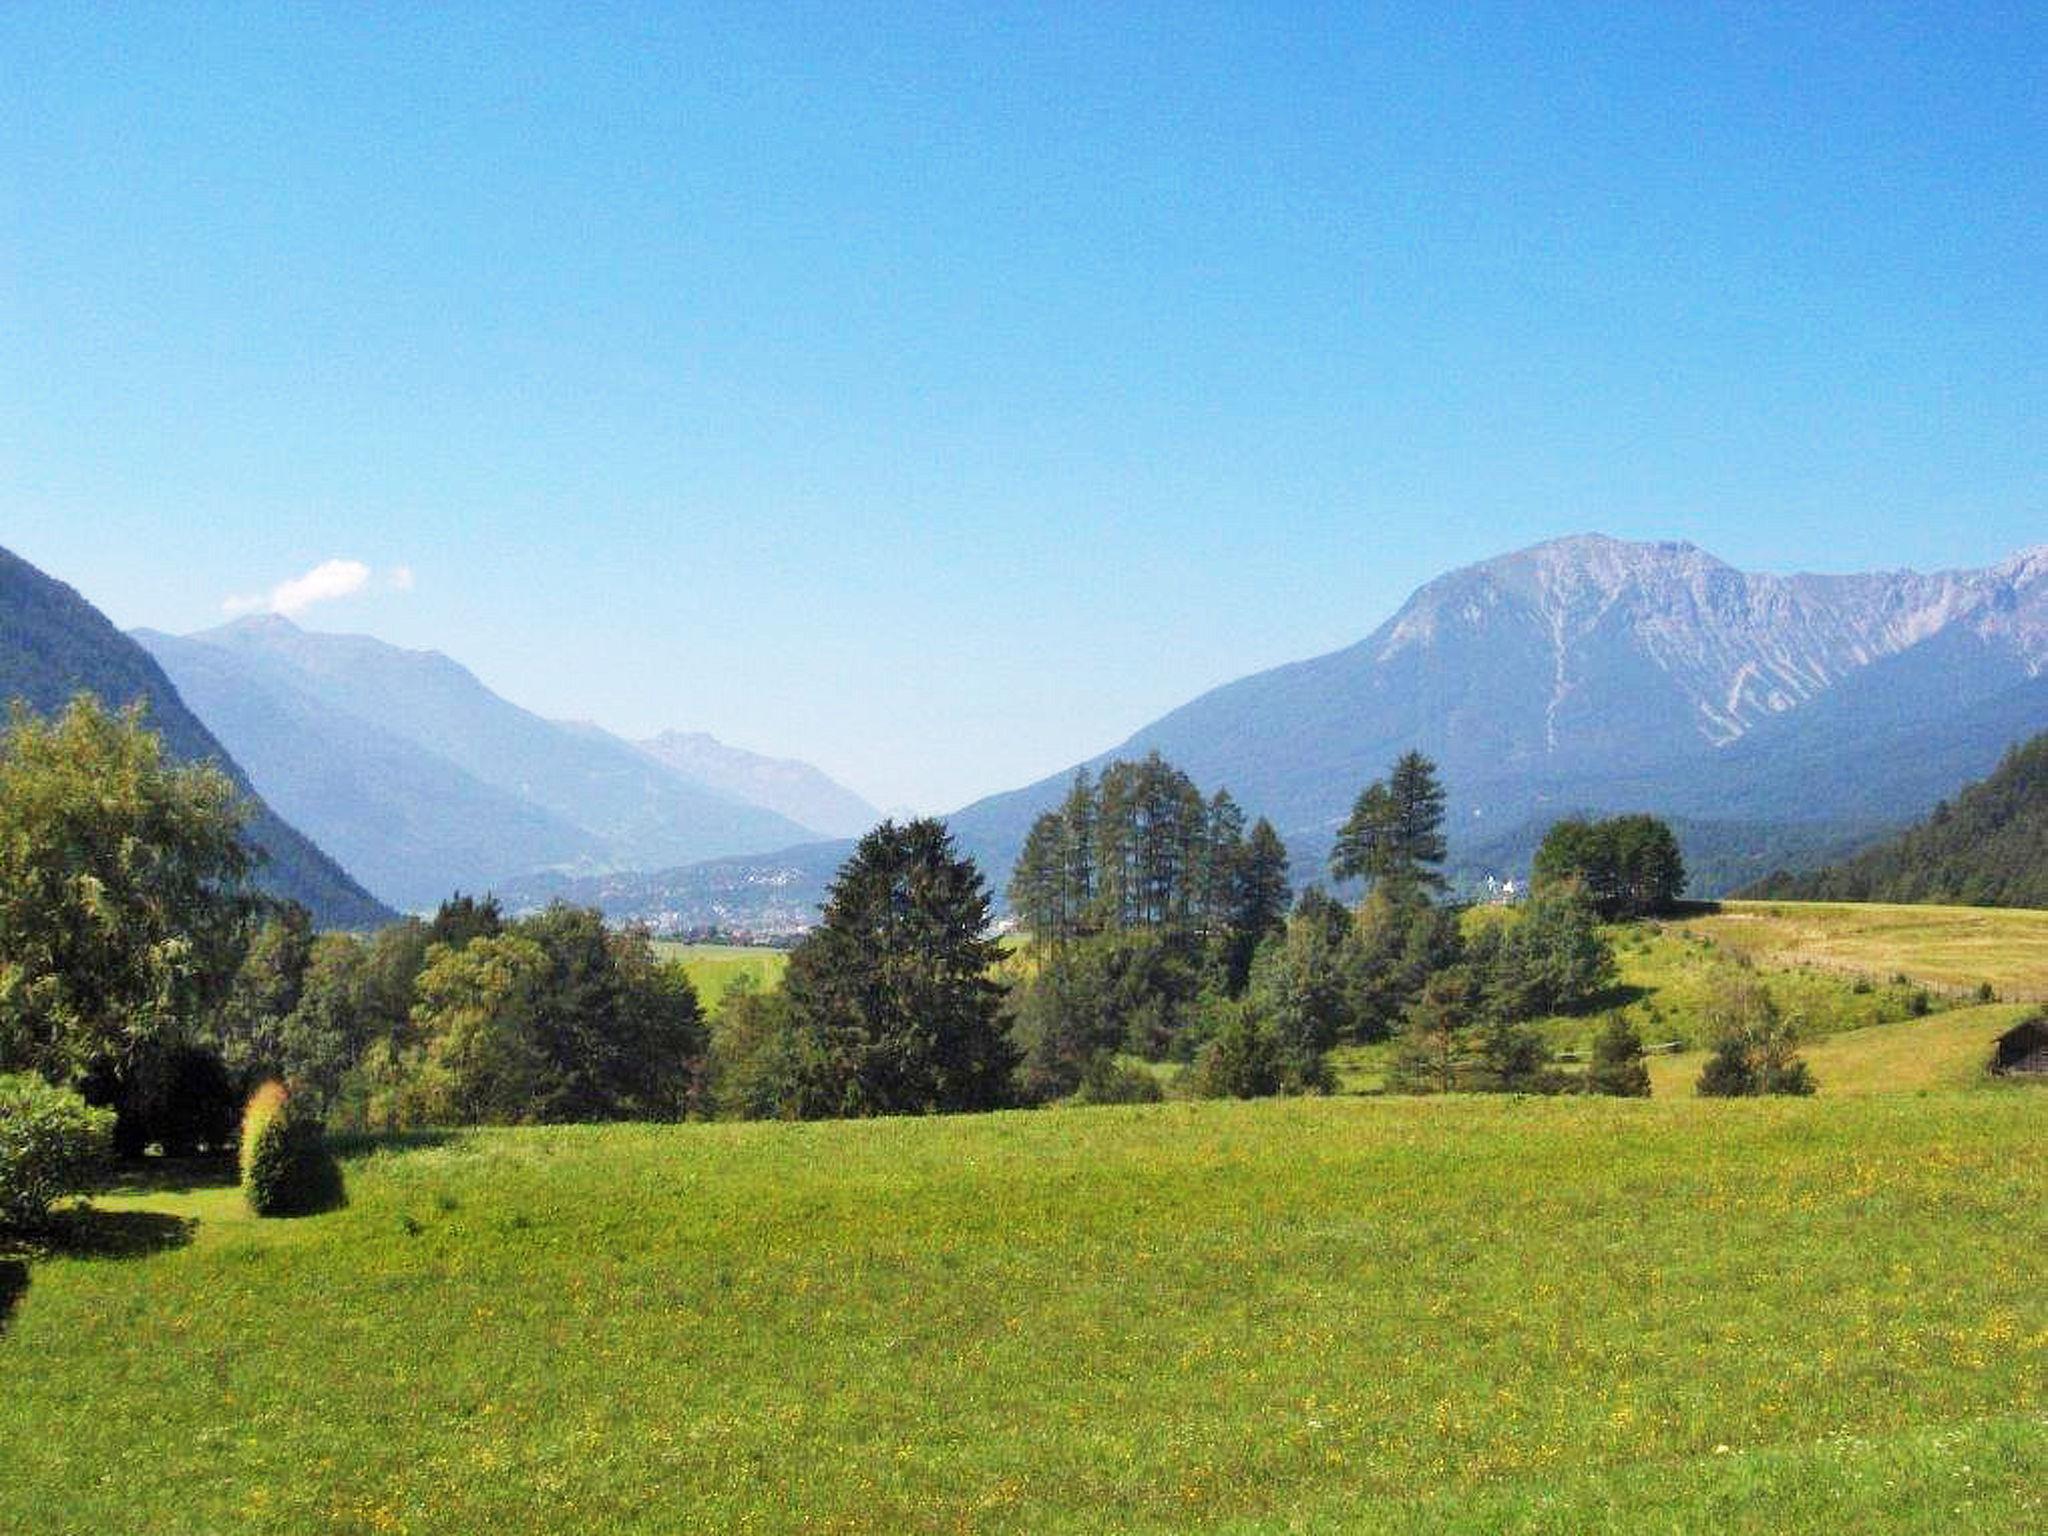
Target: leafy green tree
{"x": 268, "y": 988}
{"x": 1755, "y": 1045}
{"x": 1300, "y": 992}
{"x": 1241, "y": 1061}
{"x": 1434, "y": 1051}
{"x": 1401, "y": 940}
{"x": 622, "y": 1034}
{"x": 479, "y": 1017}
{"x": 1550, "y": 957}
{"x": 1109, "y": 1081}
{"x": 757, "y": 1069}
{"x": 1617, "y": 1068}
{"x": 892, "y": 992}
{"x": 124, "y": 907}
{"x": 51, "y": 1144}
{"x": 1064, "y": 1016}
{"x": 1628, "y": 866}
{"x": 1511, "y": 1058}
{"x": 1394, "y": 834}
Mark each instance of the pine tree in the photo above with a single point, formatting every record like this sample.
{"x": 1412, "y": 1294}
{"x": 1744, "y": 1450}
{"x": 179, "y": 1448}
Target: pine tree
{"x": 1394, "y": 835}
{"x": 1617, "y": 1067}
{"x": 891, "y": 992}
{"x": 1259, "y": 896}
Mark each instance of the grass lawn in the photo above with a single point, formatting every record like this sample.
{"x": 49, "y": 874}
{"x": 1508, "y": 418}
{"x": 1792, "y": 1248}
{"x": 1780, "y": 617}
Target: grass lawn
{"x": 1461, "y": 1315}
{"x": 714, "y": 967}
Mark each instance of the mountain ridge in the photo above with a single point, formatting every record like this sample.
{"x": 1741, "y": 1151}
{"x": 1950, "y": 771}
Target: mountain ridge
{"x": 1593, "y": 673}
{"x": 453, "y": 785}
{"x": 54, "y": 644}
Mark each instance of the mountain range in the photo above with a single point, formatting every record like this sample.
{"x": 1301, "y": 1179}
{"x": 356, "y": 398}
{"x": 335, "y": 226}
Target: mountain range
{"x": 55, "y": 645}
{"x": 422, "y": 780}
{"x": 1777, "y": 719}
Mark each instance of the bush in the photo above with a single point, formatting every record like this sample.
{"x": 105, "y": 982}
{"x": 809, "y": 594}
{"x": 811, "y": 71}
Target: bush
{"x": 51, "y": 1141}
{"x": 1617, "y": 1068}
{"x": 1241, "y": 1062}
{"x": 1753, "y": 1047}
{"x": 1109, "y": 1081}
{"x": 286, "y": 1167}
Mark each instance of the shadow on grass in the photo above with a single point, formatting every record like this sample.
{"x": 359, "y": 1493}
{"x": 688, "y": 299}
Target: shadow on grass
{"x": 169, "y": 1175}
{"x": 84, "y": 1232}
{"x": 13, "y": 1285}
{"x": 353, "y": 1146}
{"x": 1620, "y": 995}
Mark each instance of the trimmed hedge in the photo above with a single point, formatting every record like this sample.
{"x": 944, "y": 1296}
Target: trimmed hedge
{"x": 286, "y": 1167}
{"x": 51, "y": 1142}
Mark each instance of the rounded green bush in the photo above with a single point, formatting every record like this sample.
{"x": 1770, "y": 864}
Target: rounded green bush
{"x": 286, "y": 1167}
{"x": 51, "y": 1141}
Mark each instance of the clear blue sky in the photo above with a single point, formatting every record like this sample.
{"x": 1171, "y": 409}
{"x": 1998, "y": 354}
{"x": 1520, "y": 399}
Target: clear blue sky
{"x": 941, "y": 393}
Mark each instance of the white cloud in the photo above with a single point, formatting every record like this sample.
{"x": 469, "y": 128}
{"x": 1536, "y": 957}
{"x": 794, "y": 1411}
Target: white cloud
{"x": 325, "y": 582}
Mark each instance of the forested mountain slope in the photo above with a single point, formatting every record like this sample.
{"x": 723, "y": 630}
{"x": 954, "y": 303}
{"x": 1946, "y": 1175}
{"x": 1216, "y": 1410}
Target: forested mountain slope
{"x": 1986, "y": 848}
{"x": 54, "y": 645}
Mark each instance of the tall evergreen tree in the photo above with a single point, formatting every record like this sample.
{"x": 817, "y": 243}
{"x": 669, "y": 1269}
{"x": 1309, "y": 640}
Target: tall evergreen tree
{"x": 1394, "y": 835}
{"x": 892, "y": 990}
{"x": 1259, "y": 896}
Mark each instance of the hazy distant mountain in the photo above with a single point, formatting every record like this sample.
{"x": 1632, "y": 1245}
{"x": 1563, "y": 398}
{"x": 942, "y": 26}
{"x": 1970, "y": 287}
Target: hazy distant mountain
{"x": 419, "y": 772}
{"x": 1593, "y": 673}
{"x": 796, "y": 789}
{"x": 54, "y": 644}
{"x": 413, "y": 826}
{"x": 1776, "y": 717}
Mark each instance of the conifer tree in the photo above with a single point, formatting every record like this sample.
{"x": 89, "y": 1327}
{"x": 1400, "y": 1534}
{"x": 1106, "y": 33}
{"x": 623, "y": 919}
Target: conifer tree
{"x": 891, "y": 993}
{"x": 1394, "y": 835}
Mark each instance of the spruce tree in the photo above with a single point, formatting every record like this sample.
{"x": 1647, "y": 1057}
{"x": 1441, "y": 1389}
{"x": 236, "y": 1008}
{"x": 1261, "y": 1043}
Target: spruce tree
{"x": 891, "y": 992}
{"x": 1394, "y": 835}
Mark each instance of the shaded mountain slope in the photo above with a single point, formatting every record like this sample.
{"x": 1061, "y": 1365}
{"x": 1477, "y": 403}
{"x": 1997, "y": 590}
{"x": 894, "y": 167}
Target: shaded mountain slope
{"x": 54, "y": 645}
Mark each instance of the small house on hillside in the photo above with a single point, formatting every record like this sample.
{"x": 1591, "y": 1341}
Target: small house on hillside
{"x": 2023, "y": 1048}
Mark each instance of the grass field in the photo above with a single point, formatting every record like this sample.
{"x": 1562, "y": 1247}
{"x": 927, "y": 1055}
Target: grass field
{"x": 714, "y": 967}
{"x": 1454, "y": 1315}
{"x": 1461, "y": 1314}
{"x": 1950, "y": 947}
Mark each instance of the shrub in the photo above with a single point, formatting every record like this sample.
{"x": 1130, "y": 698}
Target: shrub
{"x": 1753, "y": 1046}
{"x": 1241, "y": 1062}
{"x": 1106, "y": 1080}
{"x": 287, "y": 1169}
{"x": 51, "y": 1140}
{"x": 1617, "y": 1068}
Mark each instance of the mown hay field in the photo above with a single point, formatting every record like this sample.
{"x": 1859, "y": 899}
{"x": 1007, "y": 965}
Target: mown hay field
{"x": 1950, "y": 947}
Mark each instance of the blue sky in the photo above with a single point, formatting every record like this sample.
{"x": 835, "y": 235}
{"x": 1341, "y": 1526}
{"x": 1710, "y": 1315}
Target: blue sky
{"x": 941, "y": 393}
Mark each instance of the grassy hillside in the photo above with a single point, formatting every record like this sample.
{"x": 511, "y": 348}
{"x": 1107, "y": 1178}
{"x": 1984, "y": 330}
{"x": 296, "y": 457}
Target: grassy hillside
{"x": 1948, "y": 947}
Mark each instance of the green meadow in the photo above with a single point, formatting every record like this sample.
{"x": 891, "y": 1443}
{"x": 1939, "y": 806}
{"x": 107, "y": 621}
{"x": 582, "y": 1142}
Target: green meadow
{"x": 715, "y": 967}
{"x": 1354, "y": 1313}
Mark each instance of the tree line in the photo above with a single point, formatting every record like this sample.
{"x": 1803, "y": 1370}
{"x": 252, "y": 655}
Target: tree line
{"x": 1162, "y": 948}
